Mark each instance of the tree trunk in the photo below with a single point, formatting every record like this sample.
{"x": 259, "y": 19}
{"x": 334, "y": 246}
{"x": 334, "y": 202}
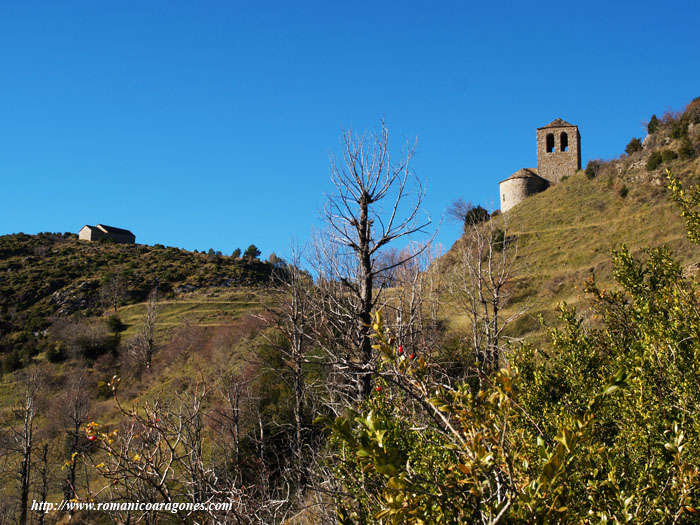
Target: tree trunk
{"x": 365, "y": 317}
{"x": 25, "y": 470}
{"x": 44, "y": 481}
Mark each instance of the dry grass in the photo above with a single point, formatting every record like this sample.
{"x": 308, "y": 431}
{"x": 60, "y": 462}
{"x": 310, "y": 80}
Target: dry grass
{"x": 566, "y": 233}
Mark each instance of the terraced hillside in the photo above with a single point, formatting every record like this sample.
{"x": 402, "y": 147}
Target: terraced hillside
{"x": 51, "y": 276}
{"x": 566, "y": 234}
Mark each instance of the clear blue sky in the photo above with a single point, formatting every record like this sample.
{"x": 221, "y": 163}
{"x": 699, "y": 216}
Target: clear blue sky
{"x": 208, "y": 124}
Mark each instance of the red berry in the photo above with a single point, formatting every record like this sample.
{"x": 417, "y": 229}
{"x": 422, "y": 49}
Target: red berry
{"x": 412, "y": 356}
{"x": 400, "y": 350}
{"x": 157, "y": 420}
{"x": 92, "y": 438}
{"x": 379, "y": 389}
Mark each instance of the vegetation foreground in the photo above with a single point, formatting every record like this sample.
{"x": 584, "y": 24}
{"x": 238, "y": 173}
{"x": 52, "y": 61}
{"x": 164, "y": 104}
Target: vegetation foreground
{"x": 352, "y": 397}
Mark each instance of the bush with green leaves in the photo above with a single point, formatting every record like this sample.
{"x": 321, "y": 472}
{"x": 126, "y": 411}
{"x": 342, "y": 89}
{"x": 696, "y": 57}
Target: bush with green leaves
{"x": 55, "y": 353}
{"x": 679, "y": 128}
{"x": 654, "y": 160}
{"x": 598, "y": 426}
{"x": 498, "y": 239}
{"x": 476, "y": 215}
{"x": 251, "y": 252}
{"x": 667, "y": 155}
{"x": 593, "y": 167}
{"x": 634, "y": 146}
{"x": 653, "y": 125}
{"x": 687, "y": 151}
{"x": 12, "y": 362}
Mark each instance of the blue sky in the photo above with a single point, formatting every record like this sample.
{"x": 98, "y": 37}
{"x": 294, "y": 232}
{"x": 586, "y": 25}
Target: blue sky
{"x": 208, "y": 124}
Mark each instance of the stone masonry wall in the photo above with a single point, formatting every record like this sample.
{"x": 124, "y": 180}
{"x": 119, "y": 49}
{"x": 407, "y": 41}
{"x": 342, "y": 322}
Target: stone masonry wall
{"x": 553, "y": 166}
{"x": 515, "y": 190}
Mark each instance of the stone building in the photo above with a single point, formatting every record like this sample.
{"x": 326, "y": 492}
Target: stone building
{"x": 95, "y": 233}
{"x": 558, "y": 155}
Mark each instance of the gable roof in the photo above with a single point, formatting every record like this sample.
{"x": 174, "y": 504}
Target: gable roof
{"x": 112, "y": 229}
{"x": 558, "y": 123}
{"x": 524, "y": 173}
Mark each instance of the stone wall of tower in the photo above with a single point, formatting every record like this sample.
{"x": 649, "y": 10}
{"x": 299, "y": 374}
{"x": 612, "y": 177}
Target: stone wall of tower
{"x": 557, "y": 164}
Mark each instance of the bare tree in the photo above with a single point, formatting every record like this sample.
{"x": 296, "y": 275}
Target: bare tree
{"x": 73, "y": 405}
{"x": 293, "y": 311}
{"x": 26, "y": 411}
{"x": 481, "y": 285}
{"x": 458, "y": 209}
{"x": 377, "y": 201}
{"x": 413, "y": 312}
{"x": 141, "y": 346}
{"x": 44, "y": 487}
{"x": 161, "y": 453}
{"x": 113, "y": 290}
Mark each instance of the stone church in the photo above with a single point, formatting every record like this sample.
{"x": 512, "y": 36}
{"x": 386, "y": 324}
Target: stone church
{"x": 558, "y": 155}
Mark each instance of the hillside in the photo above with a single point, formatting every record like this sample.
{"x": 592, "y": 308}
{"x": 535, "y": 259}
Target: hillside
{"x": 52, "y": 276}
{"x": 233, "y": 374}
{"x": 565, "y": 234}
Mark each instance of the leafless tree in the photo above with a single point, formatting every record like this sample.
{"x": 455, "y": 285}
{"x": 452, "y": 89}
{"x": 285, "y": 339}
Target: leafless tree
{"x": 141, "y": 346}
{"x": 26, "y": 411}
{"x": 159, "y": 455}
{"x": 481, "y": 285}
{"x": 113, "y": 290}
{"x": 377, "y": 201}
{"x": 413, "y": 310}
{"x": 293, "y": 312}
{"x": 44, "y": 487}
{"x": 73, "y": 406}
{"x": 458, "y": 209}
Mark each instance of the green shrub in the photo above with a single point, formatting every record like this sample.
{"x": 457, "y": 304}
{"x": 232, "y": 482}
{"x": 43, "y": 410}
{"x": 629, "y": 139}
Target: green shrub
{"x": 679, "y": 128}
{"x": 12, "y": 362}
{"x": 115, "y": 324}
{"x": 252, "y": 252}
{"x": 668, "y": 155}
{"x": 592, "y": 168}
{"x": 498, "y": 239}
{"x": 634, "y": 145}
{"x": 623, "y": 191}
{"x": 653, "y": 125}
{"x": 687, "y": 149}
{"x": 55, "y": 353}
{"x": 654, "y": 161}
{"x": 475, "y": 216}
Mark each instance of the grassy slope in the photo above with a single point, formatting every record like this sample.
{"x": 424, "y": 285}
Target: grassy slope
{"x": 199, "y": 335}
{"x": 49, "y": 275}
{"x": 568, "y": 231}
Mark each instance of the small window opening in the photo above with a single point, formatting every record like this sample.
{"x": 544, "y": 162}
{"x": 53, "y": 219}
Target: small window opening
{"x": 564, "y": 142}
{"x": 550, "y": 142}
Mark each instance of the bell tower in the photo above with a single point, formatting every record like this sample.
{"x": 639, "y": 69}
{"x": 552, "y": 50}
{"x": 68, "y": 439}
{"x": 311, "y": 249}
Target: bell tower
{"x": 558, "y": 150}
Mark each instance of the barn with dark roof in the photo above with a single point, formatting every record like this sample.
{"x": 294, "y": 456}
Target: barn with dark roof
{"x": 102, "y": 231}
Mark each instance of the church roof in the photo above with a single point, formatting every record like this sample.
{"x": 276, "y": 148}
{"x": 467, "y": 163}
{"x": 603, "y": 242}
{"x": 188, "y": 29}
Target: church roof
{"x": 524, "y": 173}
{"x": 113, "y": 230}
{"x": 558, "y": 123}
